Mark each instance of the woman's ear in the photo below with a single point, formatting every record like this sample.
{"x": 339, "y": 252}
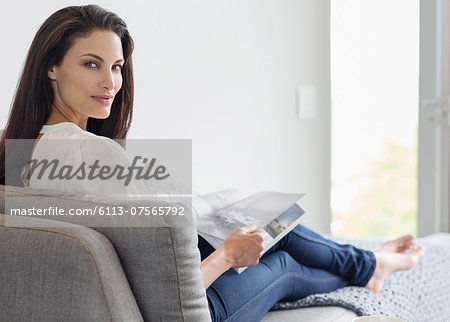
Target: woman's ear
{"x": 51, "y": 73}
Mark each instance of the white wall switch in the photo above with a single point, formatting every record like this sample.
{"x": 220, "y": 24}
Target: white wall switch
{"x": 306, "y": 102}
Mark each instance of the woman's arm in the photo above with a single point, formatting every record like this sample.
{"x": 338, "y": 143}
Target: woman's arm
{"x": 243, "y": 247}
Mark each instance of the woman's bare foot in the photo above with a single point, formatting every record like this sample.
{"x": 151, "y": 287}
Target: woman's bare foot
{"x": 389, "y": 262}
{"x": 399, "y": 245}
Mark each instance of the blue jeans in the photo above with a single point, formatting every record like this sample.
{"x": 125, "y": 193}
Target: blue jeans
{"x": 300, "y": 264}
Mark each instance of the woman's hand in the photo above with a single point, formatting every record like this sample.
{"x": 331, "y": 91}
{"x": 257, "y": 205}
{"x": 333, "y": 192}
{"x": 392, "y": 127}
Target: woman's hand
{"x": 243, "y": 247}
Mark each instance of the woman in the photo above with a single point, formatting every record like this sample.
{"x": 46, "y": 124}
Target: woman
{"x": 77, "y": 82}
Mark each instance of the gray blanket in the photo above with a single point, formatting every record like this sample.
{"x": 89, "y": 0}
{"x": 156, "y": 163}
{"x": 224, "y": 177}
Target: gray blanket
{"x": 420, "y": 294}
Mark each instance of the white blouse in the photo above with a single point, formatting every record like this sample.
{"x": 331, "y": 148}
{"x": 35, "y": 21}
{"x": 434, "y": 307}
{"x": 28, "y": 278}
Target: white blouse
{"x": 70, "y": 145}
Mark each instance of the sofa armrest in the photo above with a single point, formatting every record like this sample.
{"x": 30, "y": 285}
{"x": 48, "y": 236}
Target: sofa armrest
{"x": 61, "y": 273}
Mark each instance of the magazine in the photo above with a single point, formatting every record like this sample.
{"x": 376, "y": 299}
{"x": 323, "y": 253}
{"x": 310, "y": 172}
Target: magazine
{"x": 220, "y": 213}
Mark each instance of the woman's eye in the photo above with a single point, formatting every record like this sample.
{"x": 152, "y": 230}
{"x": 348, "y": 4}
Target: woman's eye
{"x": 117, "y": 67}
{"x": 91, "y": 64}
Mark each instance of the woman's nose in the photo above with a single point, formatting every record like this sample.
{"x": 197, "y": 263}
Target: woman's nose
{"x": 108, "y": 80}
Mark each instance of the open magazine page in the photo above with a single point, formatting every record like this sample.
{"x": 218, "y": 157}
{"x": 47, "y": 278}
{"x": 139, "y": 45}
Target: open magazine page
{"x": 259, "y": 209}
{"x": 271, "y": 211}
{"x": 279, "y": 227}
{"x": 276, "y": 229}
{"x": 274, "y": 212}
{"x": 206, "y": 204}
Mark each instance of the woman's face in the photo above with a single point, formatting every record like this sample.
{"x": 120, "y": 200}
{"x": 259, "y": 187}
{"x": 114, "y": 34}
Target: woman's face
{"x": 89, "y": 77}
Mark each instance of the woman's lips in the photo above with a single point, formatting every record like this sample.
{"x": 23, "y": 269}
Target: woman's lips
{"x": 105, "y": 100}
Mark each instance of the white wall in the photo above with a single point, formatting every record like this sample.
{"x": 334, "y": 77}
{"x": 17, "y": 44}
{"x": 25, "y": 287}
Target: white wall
{"x": 223, "y": 73}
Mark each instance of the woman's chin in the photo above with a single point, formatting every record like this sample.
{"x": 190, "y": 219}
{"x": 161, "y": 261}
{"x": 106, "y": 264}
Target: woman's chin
{"x": 102, "y": 114}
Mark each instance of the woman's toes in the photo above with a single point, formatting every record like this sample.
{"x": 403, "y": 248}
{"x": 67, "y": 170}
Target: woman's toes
{"x": 408, "y": 246}
{"x": 399, "y": 245}
{"x": 412, "y": 257}
{"x": 419, "y": 251}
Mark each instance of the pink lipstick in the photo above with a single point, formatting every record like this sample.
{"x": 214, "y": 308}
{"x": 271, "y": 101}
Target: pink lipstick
{"x": 103, "y": 99}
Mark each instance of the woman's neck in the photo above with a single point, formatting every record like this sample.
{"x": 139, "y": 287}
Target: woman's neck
{"x": 56, "y": 116}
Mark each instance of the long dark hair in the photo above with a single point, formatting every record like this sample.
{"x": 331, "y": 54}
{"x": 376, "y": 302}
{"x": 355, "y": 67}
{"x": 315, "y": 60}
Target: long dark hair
{"x": 34, "y": 96}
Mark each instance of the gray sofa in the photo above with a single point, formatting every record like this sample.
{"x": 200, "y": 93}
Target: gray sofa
{"x": 57, "y": 271}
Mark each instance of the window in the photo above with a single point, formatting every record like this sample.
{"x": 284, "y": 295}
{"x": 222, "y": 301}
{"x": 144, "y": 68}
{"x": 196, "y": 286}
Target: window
{"x": 374, "y": 90}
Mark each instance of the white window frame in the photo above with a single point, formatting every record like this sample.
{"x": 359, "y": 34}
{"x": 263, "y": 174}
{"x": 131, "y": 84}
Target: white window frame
{"x": 434, "y": 121}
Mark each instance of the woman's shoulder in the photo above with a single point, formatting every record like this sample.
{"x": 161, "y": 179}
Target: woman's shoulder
{"x": 67, "y": 141}
{"x": 67, "y": 130}
{"x": 76, "y": 135}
